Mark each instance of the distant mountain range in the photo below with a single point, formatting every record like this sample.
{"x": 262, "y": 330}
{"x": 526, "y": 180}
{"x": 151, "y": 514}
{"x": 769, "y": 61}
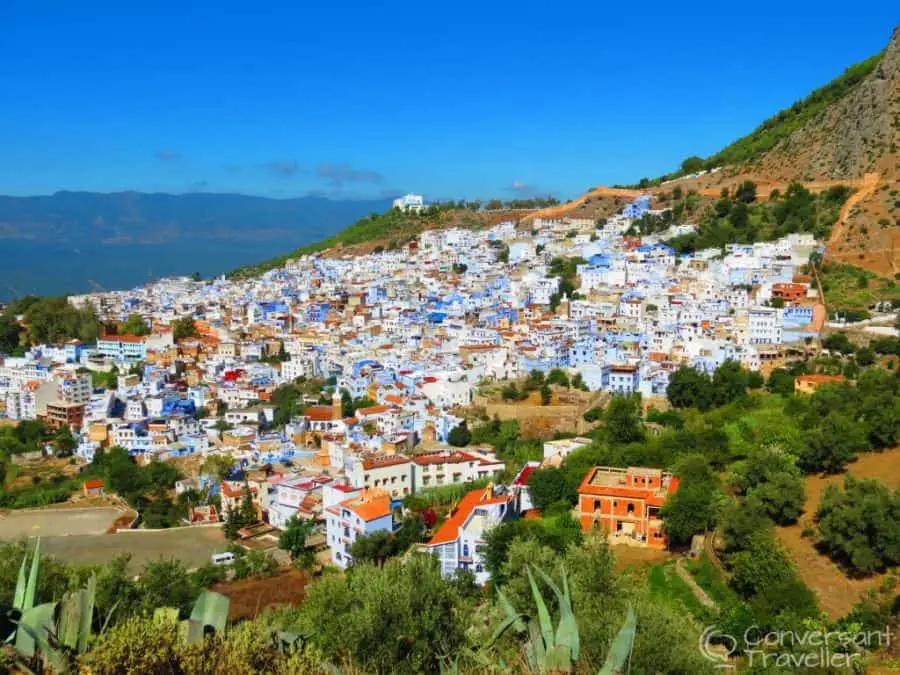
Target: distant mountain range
{"x": 136, "y": 217}
{"x": 71, "y": 242}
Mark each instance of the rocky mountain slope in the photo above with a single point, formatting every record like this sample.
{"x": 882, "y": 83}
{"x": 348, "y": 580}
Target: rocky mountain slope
{"x": 853, "y": 140}
{"x": 844, "y": 133}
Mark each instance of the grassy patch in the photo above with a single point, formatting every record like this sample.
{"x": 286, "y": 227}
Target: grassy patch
{"x": 665, "y": 583}
{"x": 710, "y": 580}
{"x": 848, "y": 287}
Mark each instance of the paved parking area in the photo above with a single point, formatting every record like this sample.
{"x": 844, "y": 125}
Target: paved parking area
{"x": 192, "y": 546}
{"x": 57, "y": 522}
{"x": 78, "y": 536}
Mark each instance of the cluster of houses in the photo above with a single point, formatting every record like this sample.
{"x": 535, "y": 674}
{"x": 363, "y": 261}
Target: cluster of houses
{"x": 412, "y": 332}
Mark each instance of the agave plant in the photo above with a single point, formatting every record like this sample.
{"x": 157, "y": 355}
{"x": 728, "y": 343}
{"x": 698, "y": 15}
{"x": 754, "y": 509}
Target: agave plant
{"x": 53, "y": 632}
{"x": 209, "y": 615}
{"x": 548, "y": 650}
{"x": 621, "y": 647}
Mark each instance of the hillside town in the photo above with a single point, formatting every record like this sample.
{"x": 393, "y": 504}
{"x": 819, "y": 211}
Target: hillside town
{"x": 395, "y": 347}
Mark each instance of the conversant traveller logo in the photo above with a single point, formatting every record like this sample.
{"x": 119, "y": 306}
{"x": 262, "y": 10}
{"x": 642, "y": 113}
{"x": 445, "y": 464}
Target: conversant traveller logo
{"x": 795, "y": 649}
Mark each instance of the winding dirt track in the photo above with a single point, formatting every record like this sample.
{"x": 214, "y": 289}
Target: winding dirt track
{"x": 867, "y": 186}
{"x": 864, "y": 187}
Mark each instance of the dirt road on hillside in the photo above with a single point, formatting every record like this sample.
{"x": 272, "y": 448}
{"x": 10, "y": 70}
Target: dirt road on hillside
{"x": 764, "y": 189}
{"x": 867, "y": 185}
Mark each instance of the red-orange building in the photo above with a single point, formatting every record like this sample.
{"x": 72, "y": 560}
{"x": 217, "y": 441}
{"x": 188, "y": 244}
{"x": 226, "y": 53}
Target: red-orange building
{"x": 626, "y": 503}
{"x": 789, "y": 291}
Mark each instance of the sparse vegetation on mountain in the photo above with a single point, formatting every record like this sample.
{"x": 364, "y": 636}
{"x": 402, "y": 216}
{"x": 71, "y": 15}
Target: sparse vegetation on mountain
{"x": 779, "y": 127}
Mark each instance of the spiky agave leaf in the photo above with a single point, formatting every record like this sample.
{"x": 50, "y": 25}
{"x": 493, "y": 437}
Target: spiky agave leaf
{"x": 21, "y": 582}
{"x": 34, "y": 628}
{"x": 35, "y": 638}
{"x": 31, "y": 586}
{"x": 546, "y": 624}
{"x": 535, "y": 652}
{"x": 513, "y": 620}
{"x": 76, "y": 617}
{"x": 511, "y": 612}
{"x": 620, "y": 649}
{"x": 452, "y": 668}
{"x": 211, "y": 609}
{"x": 88, "y": 601}
{"x": 567, "y": 631}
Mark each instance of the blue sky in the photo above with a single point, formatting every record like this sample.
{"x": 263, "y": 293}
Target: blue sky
{"x": 357, "y": 99}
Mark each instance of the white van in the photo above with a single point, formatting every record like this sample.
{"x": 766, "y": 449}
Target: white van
{"x": 223, "y": 558}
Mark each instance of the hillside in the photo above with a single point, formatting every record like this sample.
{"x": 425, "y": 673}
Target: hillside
{"x": 388, "y": 230}
{"x": 845, "y": 133}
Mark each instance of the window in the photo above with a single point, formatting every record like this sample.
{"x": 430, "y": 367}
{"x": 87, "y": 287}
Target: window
{"x": 465, "y": 549}
{"x": 630, "y": 507}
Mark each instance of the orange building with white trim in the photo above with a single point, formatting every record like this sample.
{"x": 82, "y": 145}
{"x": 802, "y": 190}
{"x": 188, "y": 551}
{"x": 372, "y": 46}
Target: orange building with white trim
{"x": 626, "y": 503}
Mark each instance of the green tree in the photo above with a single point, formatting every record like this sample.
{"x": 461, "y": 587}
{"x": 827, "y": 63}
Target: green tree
{"x": 695, "y": 506}
{"x": 860, "y": 525}
{"x": 167, "y": 583}
{"x": 184, "y": 328}
{"x": 135, "y": 325}
{"x": 782, "y": 496}
{"x": 548, "y": 486}
{"x": 65, "y": 441}
{"x": 831, "y": 445}
{"x": 578, "y": 382}
{"x": 398, "y": 618}
{"x": 217, "y": 466}
{"x": 838, "y": 342}
{"x": 623, "y": 419}
{"x": 755, "y": 380}
{"x": 780, "y": 382}
{"x": 746, "y": 192}
{"x": 558, "y": 377}
{"x": 9, "y": 332}
{"x": 293, "y": 540}
{"x": 459, "y": 435}
{"x": 689, "y": 388}
{"x": 729, "y": 383}
{"x": 546, "y": 394}
{"x": 240, "y": 515}
{"x": 693, "y": 164}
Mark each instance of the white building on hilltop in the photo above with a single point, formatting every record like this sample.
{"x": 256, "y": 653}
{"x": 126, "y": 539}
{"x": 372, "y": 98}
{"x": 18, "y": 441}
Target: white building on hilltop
{"x": 410, "y": 202}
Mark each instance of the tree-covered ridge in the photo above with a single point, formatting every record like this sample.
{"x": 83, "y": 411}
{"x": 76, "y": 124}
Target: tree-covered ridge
{"x": 45, "y": 321}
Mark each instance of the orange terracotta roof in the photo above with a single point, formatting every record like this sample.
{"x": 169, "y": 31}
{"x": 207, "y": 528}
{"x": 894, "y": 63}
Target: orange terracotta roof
{"x": 369, "y": 508}
{"x": 124, "y": 338}
{"x": 373, "y": 410}
{"x": 319, "y": 413}
{"x": 449, "y": 531}
{"x": 379, "y": 462}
